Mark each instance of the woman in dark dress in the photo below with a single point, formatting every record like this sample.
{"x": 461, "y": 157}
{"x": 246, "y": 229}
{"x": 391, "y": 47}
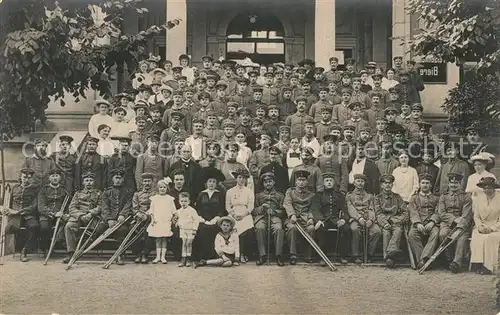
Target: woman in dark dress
{"x": 209, "y": 205}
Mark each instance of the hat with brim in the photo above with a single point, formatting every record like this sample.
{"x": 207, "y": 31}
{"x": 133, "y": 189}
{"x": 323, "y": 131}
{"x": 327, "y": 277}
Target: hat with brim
{"x": 66, "y": 138}
{"x": 159, "y": 70}
{"x": 212, "y": 173}
{"x": 240, "y": 172}
{"x": 226, "y": 218}
{"x": 488, "y": 182}
{"x": 302, "y": 174}
{"x": 268, "y": 175}
{"x": 102, "y": 102}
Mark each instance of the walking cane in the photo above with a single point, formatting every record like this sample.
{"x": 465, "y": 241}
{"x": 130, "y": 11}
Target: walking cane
{"x": 56, "y": 231}
{"x": 410, "y": 252}
{"x": 315, "y": 246}
{"x": 268, "y": 237}
{"x": 365, "y": 249}
{"x": 3, "y": 236}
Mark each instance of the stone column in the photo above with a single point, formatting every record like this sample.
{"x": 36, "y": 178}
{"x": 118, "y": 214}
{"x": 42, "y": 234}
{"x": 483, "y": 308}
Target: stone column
{"x": 200, "y": 26}
{"x": 324, "y": 32}
{"x": 401, "y": 29}
{"x": 176, "y": 40}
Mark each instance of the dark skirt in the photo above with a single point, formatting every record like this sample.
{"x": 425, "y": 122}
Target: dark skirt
{"x": 203, "y": 244}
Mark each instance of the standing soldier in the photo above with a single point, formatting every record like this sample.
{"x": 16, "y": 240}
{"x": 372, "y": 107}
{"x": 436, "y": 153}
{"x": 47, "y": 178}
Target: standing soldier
{"x": 50, "y": 200}
{"x": 23, "y": 212}
{"x": 125, "y": 161}
{"x": 392, "y": 215}
{"x": 91, "y": 162}
{"x": 115, "y": 207}
{"x": 452, "y": 165}
{"x": 140, "y": 205}
{"x": 83, "y": 206}
{"x": 360, "y": 206}
{"x": 40, "y": 163}
{"x": 332, "y": 162}
{"x": 269, "y": 206}
{"x": 333, "y": 75}
{"x": 279, "y": 172}
{"x": 65, "y": 161}
{"x": 424, "y": 220}
{"x": 150, "y": 162}
{"x": 260, "y": 158}
{"x": 455, "y": 214}
{"x": 332, "y": 215}
{"x": 315, "y": 178}
{"x": 300, "y": 203}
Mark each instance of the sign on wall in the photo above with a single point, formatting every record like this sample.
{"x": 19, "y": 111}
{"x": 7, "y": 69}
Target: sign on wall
{"x": 433, "y": 72}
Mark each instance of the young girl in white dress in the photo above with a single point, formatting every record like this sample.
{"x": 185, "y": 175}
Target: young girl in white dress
{"x": 162, "y": 210}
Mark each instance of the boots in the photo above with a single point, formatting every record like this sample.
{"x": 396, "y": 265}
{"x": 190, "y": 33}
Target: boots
{"x": 119, "y": 261}
{"x": 68, "y": 258}
{"x": 183, "y": 262}
{"x": 158, "y": 254}
{"x": 24, "y": 255}
{"x": 188, "y": 261}
{"x": 144, "y": 259}
{"x": 163, "y": 256}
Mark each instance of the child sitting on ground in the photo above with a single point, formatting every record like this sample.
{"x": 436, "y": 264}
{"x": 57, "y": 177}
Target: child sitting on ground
{"x": 227, "y": 245}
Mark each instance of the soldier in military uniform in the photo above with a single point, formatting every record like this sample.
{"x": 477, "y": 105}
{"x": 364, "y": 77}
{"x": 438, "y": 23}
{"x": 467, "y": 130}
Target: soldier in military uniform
{"x": 333, "y": 75}
{"x": 115, "y": 207}
{"x": 23, "y": 212}
{"x": 452, "y": 165}
{"x": 300, "y": 203}
{"x": 332, "y": 214}
{"x": 65, "y": 161}
{"x": 332, "y": 162}
{"x": 91, "y": 162}
{"x": 50, "y": 200}
{"x": 125, "y": 161}
{"x": 83, "y": 207}
{"x": 455, "y": 211}
{"x": 260, "y": 158}
{"x": 392, "y": 214}
{"x": 360, "y": 206}
{"x": 424, "y": 220}
{"x": 315, "y": 177}
{"x": 269, "y": 206}
{"x": 40, "y": 163}
{"x": 150, "y": 162}
{"x": 279, "y": 171}
{"x": 140, "y": 205}
{"x": 139, "y": 136}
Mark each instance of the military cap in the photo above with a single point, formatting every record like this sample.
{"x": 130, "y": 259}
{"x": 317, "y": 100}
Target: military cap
{"x": 424, "y": 126}
{"x": 119, "y": 109}
{"x": 294, "y": 76}
{"x": 404, "y": 73}
{"x": 140, "y": 104}
{"x": 159, "y": 70}
{"x": 166, "y": 87}
{"x": 269, "y": 74}
{"x": 417, "y": 106}
{"x": 207, "y": 57}
{"x": 265, "y": 176}
{"x": 333, "y": 59}
{"x": 177, "y": 114}
{"x": 300, "y": 99}
{"x": 488, "y": 182}
{"x": 27, "y": 171}
{"x": 140, "y": 118}
{"x": 257, "y": 122}
{"x": 411, "y": 62}
{"x": 147, "y": 176}
{"x": 122, "y": 139}
{"x": 336, "y": 127}
{"x": 241, "y": 172}
{"x": 102, "y": 102}
{"x": 183, "y": 78}
{"x": 392, "y": 90}
{"x": 326, "y": 109}
{"x": 212, "y": 76}
{"x": 54, "y": 171}
{"x": 399, "y": 130}
{"x": 154, "y": 108}
{"x": 156, "y": 82}
{"x": 377, "y": 94}
{"x": 349, "y": 61}
{"x": 232, "y": 146}
{"x": 363, "y": 72}
{"x": 232, "y": 104}
{"x": 266, "y": 136}
{"x": 200, "y": 79}
{"x": 286, "y": 88}
{"x": 152, "y": 137}
{"x": 309, "y": 121}
{"x": 92, "y": 139}
{"x": 360, "y": 176}
{"x": 273, "y": 106}
{"x": 228, "y": 124}
{"x": 221, "y": 84}
{"x": 244, "y": 81}
{"x": 372, "y": 64}
{"x": 381, "y": 119}
{"x": 332, "y": 138}
{"x": 455, "y": 177}
{"x": 66, "y": 138}
{"x": 184, "y": 57}
{"x": 308, "y": 150}
{"x": 425, "y": 176}
{"x": 88, "y": 175}
{"x": 301, "y": 69}
{"x": 366, "y": 129}
{"x": 211, "y": 112}
{"x": 386, "y": 178}
{"x": 328, "y": 175}
{"x": 116, "y": 172}
{"x": 198, "y": 121}
{"x": 397, "y": 57}
{"x": 257, "y": 89}
{"x": 301, "y": 174}
{"x": 355, "y": 104}
{"x": 203, "y": 95}
{"x": 275, "y": 150}
{"x": 349, "y": 127}
{"x": 121, "y": 95}
{"x": 346, "y": 90}
{"x": 177, "y": 69}
{"x": 324, "y": 88}
{"x": 305, "y": 81}
{"x": 178, "y": 171}
{"x": 377, "y": 76}
{"x": 284, "y": 128}
{"x": 244, "y": 110}
{"x": 356, "y": 79}
{"x": 471, "y": 129}
{"x": 319, "y": 70}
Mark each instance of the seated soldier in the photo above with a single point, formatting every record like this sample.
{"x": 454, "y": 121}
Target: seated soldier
{"x": 455, "y": 215}
{"x": 362, "y": 216}
{"x": 82, "y": 208}
{"x": 23, "y": 212}
{"x": 391, "y": 216}
{"x": 50, "y": 200}
{"x": 332, "y": 214}
{"x": 300, "y": 203}
{"x": 424, "y": 221}
{"x": 269, "y": 210}
{"x": 140, "y": 205}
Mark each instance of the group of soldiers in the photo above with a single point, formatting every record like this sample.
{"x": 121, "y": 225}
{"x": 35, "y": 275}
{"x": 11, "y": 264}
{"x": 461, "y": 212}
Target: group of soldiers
{"x": 320, "y": 147}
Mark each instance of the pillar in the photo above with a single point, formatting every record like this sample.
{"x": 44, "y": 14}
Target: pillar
{"x": 200, "y": 26}
{"x": 324, "y": 32}
{"x": 176, "y": 38}
{"x": 401, "y": 29}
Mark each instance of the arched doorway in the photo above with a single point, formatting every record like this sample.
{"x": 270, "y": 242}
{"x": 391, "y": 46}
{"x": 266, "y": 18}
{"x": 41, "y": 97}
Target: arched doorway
{"x": 259, "y": 37}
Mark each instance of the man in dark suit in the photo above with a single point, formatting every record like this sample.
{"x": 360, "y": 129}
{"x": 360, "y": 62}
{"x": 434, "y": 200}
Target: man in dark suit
{"x": 363, "y": 165}
{"x": 279, "y": 171}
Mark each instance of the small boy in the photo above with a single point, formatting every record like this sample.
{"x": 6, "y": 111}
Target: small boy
{"x": 227, "y": 245}
{"x": 297, "y": 120}
{"x": 315, "y": 110}
{"x": 188, "y": 222}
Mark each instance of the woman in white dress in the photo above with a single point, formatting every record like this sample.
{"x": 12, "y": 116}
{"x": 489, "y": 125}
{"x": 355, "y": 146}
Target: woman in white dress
{"x": 406, "y": 181}
{"x": 120, "y": 127}
{"x": 480, "y": 163}
{"x": 106, "y": 147}
{"x": 486, "y": 234}
{"x": 161, "y": 210}
{"x": 245, "y": 152}
{"x": 101, "y": 118}
{"x": 388, "y": 81}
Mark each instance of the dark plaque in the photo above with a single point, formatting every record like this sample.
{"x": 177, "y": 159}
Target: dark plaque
{"x": 432, "y": 72}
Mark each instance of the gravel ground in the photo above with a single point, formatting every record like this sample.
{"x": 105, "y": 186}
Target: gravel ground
{"x": 132, "y": 289}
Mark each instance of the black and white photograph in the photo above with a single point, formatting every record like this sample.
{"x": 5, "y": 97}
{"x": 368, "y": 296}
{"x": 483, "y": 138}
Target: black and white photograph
{"x": 250, "y": 157}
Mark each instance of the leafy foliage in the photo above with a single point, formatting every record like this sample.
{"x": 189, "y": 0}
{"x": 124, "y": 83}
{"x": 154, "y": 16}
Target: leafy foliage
{"x": 51, "y": 50}
{"x": 475, "y": 102}
{"x": 458, "y": 31}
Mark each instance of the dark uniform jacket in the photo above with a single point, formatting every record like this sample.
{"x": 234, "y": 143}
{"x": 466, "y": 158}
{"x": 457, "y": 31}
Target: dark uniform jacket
{"x": 115, "y": 202}
{"x": 360, "y": 204}
{"x": 193, "y": 182}
{"x": 141, "y": 201}
{"x": 390, "y": 208}
{"x": 91, "y": 162}
{"x": 126, "y": 162}
{"x": 41, "y": 166}
{"x": 333, "y": 206}
{"x": 66, "y": 163}
{"x": 338, "y": 166}
{"x": 275, "y": 200}
{"x": 50, "y": 200}
{"x": 25, "y": 198}
{"x": 83, "y": 202}
{"x": 453, "y": 206}
{"x": 428, "y": 168}
{"x": 302, "y": 204}
{"x": 423, "y": 208}
{"x": 280, "y": 175}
